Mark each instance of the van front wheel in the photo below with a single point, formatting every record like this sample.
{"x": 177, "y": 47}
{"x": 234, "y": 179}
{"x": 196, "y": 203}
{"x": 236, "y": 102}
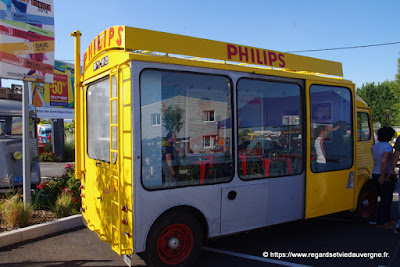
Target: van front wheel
{"x": 367, "y": 203}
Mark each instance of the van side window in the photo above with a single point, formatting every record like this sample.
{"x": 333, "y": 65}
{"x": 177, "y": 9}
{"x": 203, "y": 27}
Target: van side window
{"x": 363, "y": 127}
{"x": 98, "y": 120}
{"x": 192, "y": 143}
{"x": 270, "y": 142}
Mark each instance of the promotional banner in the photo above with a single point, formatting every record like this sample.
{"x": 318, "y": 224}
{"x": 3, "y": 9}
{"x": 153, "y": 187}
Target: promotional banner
{"x": 56, "y": 100}
{"x": 27, "y": 40}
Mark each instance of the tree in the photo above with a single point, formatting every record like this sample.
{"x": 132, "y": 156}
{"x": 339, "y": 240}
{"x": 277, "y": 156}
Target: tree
{"x": 398, "y": 71}
{"x": 172, "y": 118}
{"x": 380, "y": 98}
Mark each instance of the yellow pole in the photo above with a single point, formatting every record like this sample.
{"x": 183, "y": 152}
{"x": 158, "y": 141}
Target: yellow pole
{"x": 78, "y": 117}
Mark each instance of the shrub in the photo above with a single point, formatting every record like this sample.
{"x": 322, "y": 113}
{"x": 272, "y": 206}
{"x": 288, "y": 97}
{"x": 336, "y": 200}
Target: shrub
{"x": 15, "y": 212}
{"x": 64, "y": 205}
{"x": 67, "y": 182}
{"x": 1, "y": 209}
{"x": 73, "y": 185}
{"x": 69, "y": 150}
{"x": 69, "y": 129}
{"x": 48, "y": 147}
{"x": 49, "y": 156}
{"x": 48, "y": 192}
{"x": 37, "y": 200}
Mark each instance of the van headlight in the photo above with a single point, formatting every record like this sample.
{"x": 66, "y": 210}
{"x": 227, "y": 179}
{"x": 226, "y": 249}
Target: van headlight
{"x": 17, "y": 155}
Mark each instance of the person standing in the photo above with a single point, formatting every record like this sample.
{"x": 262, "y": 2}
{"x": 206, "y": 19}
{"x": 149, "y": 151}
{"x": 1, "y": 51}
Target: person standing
{"x": 321, "y": 132}
{"x": 395, "y": 159}
{"x": 382, "y": 153}
{"x": 169, "y": 160}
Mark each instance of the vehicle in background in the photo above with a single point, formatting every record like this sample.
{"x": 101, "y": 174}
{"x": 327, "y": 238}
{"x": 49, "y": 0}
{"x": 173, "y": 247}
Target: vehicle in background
{"x": 45, "y": 130}
{"x": 11, "y": 126}
{"x": 44, "y": 136}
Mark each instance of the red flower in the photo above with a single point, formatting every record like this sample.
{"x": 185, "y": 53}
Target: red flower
{"x": 75, "y": 200}
{"x": 66, "y": 190}
{"x": 68, "y": 166}
{"x": 40, "y": 186}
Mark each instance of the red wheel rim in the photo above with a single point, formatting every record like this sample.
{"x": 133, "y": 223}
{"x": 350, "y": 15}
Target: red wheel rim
{"x": 175, "y": 244}
{"x": 367, "y": 204}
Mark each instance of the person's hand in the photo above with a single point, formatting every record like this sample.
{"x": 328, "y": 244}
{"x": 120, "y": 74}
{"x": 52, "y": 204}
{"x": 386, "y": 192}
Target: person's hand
{"x": 383, "y": 179}
{"x": 173, "y": 172}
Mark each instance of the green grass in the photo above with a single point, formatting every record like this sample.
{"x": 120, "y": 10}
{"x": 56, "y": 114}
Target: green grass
{"x": 64, "y": 205}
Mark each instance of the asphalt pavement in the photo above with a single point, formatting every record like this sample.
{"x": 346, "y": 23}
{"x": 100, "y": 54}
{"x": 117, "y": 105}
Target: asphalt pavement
{"x": 332, "y": 234}
{"x": 335, "y": 235}
{"x": 75, "y": 247}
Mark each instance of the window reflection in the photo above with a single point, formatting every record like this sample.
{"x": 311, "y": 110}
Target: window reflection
{"x": 331, "y": 109}
{"x": 98, "y": 120}
{"x": 192, "y": 144}
{"x": 270, "y": 132}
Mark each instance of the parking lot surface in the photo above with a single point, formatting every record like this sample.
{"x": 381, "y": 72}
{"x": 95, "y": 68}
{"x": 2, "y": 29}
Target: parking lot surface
{"x": 319, "y": 238}
{"x": 333, "y": 240}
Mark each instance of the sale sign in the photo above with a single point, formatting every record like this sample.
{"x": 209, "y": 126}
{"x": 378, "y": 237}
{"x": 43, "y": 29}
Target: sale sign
{"x": 55, "y": 100}
{"x": 59, "y": 91}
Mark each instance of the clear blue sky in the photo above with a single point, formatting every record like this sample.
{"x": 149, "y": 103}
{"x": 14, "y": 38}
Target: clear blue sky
{"x": 290, "y": 25}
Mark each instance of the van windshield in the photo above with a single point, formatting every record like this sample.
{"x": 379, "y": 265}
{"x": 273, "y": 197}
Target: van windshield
{"x": 10, "y": 125}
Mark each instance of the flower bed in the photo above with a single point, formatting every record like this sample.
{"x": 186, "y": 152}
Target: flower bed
{"x": 38, "y": 217}
{"x": 57, "y": 198}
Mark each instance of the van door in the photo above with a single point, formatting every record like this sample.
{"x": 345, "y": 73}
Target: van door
{"x": 108, "y": 200}
{"x": 97, "y": 193}
{"x": 331, "y": 157}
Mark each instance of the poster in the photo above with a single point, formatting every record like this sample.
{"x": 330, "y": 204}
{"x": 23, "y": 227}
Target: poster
{"x": 55, "y": 100}
{"x": 27, "y": 40}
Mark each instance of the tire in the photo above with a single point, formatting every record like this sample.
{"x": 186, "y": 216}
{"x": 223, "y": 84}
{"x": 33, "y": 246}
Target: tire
{"x": 174, "y": 240}
{"x": 367, "y": 203}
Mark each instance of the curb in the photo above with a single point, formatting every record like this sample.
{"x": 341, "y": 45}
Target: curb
{"x": 38, "y": 230}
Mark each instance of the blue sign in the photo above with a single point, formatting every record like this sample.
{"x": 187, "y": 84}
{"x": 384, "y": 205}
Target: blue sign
{"x": 18, "y": 180}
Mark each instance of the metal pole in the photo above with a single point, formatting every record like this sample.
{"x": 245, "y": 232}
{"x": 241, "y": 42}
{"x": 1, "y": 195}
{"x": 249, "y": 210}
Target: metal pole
{"x": 26, "y": 165}
{"x": 79, "y": 159}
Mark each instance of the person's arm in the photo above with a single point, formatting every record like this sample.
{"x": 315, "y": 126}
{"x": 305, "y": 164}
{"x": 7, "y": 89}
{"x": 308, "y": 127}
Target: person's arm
{"x": 336, "y": 128}
{"x": 384, "y": 160}
{"x": 168, "y": 158}
{"x": 395, "y": 158}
